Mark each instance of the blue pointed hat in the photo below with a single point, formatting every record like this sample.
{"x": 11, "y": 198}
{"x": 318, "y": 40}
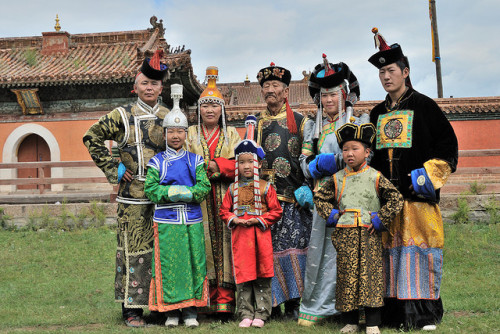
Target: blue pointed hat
{"x": 248, "y": 145}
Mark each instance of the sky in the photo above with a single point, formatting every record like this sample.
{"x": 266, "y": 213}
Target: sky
{"x": 241, "y": 37}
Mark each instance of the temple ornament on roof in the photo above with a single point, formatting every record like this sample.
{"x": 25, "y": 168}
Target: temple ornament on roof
{"x": 57, "y": 27}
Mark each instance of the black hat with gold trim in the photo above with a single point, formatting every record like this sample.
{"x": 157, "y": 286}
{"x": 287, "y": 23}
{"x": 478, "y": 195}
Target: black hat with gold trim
{"x": 364, "y": 133}
{"x": 274, "y": 72}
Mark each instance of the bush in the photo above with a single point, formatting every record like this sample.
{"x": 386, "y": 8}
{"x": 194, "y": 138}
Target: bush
{"x": 4, "y": 219}
{"x": 492, "y": 208}
{"x": 463, "y": 210}
{"x": 476, "y": 188}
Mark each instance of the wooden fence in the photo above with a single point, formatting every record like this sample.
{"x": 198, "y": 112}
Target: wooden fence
{"x": 41, "y": 181}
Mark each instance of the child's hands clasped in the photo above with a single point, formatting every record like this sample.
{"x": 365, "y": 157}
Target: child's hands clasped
{"x": 245, "y": 222}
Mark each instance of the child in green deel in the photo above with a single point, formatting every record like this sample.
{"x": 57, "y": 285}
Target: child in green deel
{"x": 360, "y": 202}
{"x": 177, "y": 182}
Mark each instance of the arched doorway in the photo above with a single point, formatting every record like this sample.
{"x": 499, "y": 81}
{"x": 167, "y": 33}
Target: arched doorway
{"x": 33, "y": 148}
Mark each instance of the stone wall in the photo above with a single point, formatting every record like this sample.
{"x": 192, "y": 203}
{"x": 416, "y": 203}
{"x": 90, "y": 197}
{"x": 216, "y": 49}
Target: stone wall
{"x": 20, "y": 215}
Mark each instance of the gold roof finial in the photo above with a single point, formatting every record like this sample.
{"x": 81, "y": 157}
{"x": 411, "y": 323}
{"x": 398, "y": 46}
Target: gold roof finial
{"x": 57, "y": 26}
{"x": 246, "y": 79}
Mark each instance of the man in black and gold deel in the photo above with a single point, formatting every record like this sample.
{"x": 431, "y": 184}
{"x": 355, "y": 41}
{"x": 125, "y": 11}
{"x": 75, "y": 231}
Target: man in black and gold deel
{"x": 280, "y": 132}
{"x": 137, "y": 130}
{"x": 416, "y": 149}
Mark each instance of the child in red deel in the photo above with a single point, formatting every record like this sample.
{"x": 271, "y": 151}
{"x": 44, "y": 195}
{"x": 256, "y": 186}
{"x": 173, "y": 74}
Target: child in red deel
{"x": 249, "y": 208}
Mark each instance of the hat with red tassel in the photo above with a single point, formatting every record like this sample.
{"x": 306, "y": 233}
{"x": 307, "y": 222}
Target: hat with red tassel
{"x": 283, "y": 75}
{"x": 153, "y": 68}
{"x": 328, "y": 77}
{"x": 387, "y": 54}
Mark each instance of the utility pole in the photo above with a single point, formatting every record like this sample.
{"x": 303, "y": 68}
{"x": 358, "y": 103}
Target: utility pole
{"x": 435, "y": 45}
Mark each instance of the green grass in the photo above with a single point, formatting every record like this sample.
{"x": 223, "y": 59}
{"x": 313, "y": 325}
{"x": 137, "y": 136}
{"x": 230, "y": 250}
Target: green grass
{"x": 59, "y": 282}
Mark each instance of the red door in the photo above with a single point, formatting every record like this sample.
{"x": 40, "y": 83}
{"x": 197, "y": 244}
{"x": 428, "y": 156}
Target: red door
{"x": 33, "y": 148}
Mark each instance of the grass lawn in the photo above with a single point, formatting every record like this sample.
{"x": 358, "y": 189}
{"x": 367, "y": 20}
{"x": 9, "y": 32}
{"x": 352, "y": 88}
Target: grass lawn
{"x": 59, "y": 282}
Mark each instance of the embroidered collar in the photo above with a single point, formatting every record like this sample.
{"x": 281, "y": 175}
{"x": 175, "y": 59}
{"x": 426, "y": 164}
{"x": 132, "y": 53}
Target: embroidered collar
{"x": 282, "y": 113}
{"x": 364, "y": 166}
{"x": 403, "y": 98}
{"x": 171, "y": 152}
{"x": 332, "y": 120}
{"x": 147, "y": 108}
{"x": 244, "y": 181}
{"x": 208, "y": 135}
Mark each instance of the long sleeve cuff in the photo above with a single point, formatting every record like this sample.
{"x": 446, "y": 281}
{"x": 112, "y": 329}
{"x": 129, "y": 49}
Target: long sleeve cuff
{"x": 377, "y": 223}
{"x": 422, "y": 184}
{"x": 263, "y": 224}
{"x": 332, "y": 220}
{"x": 230, "y": 220}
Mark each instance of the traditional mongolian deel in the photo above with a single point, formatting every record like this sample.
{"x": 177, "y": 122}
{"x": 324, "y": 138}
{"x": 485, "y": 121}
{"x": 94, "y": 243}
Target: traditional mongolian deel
{"x": 250, "y": 199}
{"x": 318, "y": 298}
{"x": 416, "y": 241}
{"x": 252, "y": 246}
{"x": 177, "y": 182}
{"x": 359, "y": 253}
{"x": 137, "y": 129}
{"x": 217, "y": 145}
{"x": 413, "y": 137}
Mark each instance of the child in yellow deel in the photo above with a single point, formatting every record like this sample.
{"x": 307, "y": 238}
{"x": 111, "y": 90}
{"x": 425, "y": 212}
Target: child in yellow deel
{"x": 360, "y": 203}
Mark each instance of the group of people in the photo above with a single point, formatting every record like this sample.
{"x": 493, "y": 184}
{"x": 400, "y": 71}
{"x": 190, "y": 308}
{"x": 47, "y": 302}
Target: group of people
{"x": 305, "y": 218}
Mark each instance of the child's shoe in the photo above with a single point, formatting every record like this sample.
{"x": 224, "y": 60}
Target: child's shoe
{"x": 191, "y": 323}
{"x": 259, "y": 323}
{"x": 350, "y": 329}
{"x": 372, "y": 330}
{"x": 172, "y": 322}
{"x": 245, "y": 323}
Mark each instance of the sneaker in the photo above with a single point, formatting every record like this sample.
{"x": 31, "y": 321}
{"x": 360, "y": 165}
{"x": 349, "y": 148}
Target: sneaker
{"x": 172, "y": 322}
{"x": 259, "y": 323}
{"x": 135, "y": 321}
{"x": 349, "y": 329}
{"x": 191, "y": 323}
{"x": 429, "y": 328}
{"x": 245, "y": 323}
{"x": 372, "y": 330}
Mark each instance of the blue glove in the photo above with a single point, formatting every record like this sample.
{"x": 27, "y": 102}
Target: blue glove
{"x": 121, "y": 171}
{"x": 304, "y": 197}
{"x": 180, "y": 194}
{"x": 377, "y": 223}
{"x": 333, "y": 219}
{"x": 422, "y": 184}
{"x": 323, "y": 165}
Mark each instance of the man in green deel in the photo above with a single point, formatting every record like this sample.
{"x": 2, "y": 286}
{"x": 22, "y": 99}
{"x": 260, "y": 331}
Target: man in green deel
{"x": 137, "y": 129}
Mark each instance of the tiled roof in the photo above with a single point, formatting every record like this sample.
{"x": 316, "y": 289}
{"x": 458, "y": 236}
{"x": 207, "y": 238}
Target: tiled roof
{"x": 243, "y": 99}
{"x": 249, "y": 93}
{"x": 90, "y": 58}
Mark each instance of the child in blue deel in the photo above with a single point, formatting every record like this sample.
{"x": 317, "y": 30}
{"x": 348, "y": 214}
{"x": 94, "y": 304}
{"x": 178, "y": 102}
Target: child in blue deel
{"x": 177, "y": 183}
{"x": 360, "y": 203}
